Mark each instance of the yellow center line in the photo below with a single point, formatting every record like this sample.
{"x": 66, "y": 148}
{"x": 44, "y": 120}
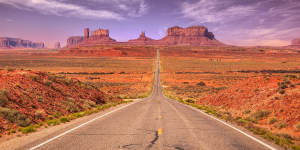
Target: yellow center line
{"x": 159, "y": 132}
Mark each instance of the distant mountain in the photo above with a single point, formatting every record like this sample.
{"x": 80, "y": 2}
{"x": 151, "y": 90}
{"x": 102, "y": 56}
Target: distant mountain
{"x": 296, "y": 42}
{"x": 194, "y": 36}
{"x": 6, "y": 42}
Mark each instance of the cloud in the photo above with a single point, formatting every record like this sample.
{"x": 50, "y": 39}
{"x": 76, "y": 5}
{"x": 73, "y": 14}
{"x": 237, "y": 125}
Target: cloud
{"x": 273, "y": 22}
{"x": 132, "y": 8}
{"x": 114, "y": 9}
{"x": 213, "y": 11}
{"x": 9, "y": 20}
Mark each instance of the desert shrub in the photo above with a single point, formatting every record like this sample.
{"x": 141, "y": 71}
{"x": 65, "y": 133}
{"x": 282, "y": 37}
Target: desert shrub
{"x": 291, "y": 76}
{"x": 3, "y": 98}
{"x": 14, "y": 116}
{"x": 48, "y": 83}
{"x": 77, "y": 115}
{"x": 296, "y": 147}
{"x": 63, "y": 119}
{"x": 53, "y": 122}
{"x": 11, "y": 131}
{"x": 88, "y": 103}
{"x": 298, "y": 126}
{"x": 28, "y": 129}
{"x": 70, "y": 105}
{"x": 38, "y": 115}
{"x": 17, "y": 85}
{"x": 242, "y": 121}
{"x": 52, "y": 78}
{"x": 11, "y": 69}
{"x": 272, "y": 120}
{"x": 190, "y": 101}
{"x": 247, "y": 111}
{"x": 259, "y": 115}
{"x": 185, "y": 82}
{"x": 201, "y": 83}
{"x": 282, "y": 91}
{"x": 34, "y": 106}
{"x": 34, "y": 78}
{"x": 285, "y": 135}
{"x": 67, "y": 81}
{"x": 40, "y": 99}
{"x": 282, "y": 125}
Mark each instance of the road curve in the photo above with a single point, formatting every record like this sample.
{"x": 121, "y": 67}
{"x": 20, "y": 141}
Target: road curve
{"x": 156, "y": 123}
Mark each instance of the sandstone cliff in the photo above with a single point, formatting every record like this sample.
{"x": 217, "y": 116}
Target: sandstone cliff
{"x": 6, "y": 42}
{"x": 74, "y": 41}
{"x": 296, "y": 42}
{"x": 194, "y": 35}
{"x": 100, "y": 36}
{"x": 142, "y": 40}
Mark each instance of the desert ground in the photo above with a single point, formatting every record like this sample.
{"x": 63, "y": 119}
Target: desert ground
{"x": 256, "y": 88}
{"x": 43, "y": 87}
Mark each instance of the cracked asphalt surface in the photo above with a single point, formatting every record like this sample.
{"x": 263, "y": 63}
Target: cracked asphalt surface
{"x": 156, "y": 123}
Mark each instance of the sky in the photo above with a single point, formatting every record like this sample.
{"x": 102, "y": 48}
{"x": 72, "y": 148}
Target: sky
{"x": 234, "y": 22}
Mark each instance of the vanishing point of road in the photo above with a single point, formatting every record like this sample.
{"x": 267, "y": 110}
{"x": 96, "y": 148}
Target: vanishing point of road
{"x": 157, "y": 123}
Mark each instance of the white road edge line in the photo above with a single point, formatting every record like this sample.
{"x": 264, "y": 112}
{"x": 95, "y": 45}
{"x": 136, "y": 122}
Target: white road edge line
{"x": 229, "y": 125}
{"x": 81, "y": 125}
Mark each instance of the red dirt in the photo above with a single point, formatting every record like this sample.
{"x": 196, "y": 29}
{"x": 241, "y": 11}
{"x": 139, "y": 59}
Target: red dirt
{"x": 259, "y": 93}
{"x": 112, "y": 52}
{"x": 38, "y": 95}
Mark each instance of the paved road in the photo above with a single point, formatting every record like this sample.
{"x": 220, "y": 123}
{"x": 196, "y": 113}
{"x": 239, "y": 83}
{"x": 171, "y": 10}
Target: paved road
{"x": 153, "y": 123}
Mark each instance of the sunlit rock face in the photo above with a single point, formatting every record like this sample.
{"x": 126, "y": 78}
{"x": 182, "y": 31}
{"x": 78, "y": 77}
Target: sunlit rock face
{"x": 142, "y": 40}
{"x": 194, "y": 35}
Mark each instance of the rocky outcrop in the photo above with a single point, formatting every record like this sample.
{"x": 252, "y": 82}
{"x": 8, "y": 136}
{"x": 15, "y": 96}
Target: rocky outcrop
{"x": 74, "y": 41}
{"x": 194, "y": 35}
{"x": 296, "y": 42}
{"x": 6, "y": 42}
{"x": 100, "y": 36}
{"x": 57, "y": 45}
{"x": 142, "y": 40}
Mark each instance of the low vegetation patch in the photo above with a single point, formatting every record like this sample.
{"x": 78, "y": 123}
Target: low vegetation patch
{"x": 14, "y": 116}
{"x": 261, "y": 114}
{"x": 3, "y": 98}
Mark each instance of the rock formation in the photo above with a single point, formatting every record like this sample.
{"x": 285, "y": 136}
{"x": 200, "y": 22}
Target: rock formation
{"x": 296, "y": 42}
{"x": 6, "y": 42}
{"x": 194, "y": 35}
{"x": 74, "y": 41}
{"x": 142, "y": 40}
{"x": 57, "y": 45}
{"x": 100, "y": 36}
